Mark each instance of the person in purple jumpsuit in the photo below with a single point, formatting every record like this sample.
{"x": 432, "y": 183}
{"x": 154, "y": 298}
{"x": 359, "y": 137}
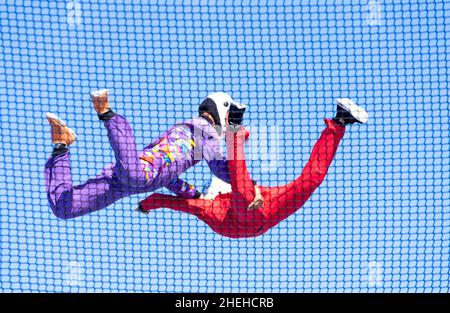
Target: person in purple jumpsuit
{"x": 159, "y": 164}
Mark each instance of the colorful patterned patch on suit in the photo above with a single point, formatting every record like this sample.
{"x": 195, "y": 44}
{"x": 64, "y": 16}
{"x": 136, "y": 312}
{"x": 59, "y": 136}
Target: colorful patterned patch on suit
{"x": 185, "y": 187}
{"x": 177, "y": 145}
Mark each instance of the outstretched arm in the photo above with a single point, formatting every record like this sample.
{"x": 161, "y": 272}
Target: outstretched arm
{"x": 210, "y": 211}
{"x": 158, "y": 200}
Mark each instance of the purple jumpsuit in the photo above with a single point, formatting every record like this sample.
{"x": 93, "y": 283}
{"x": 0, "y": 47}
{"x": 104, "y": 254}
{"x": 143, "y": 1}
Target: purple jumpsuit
{"x": 158, "y": 165}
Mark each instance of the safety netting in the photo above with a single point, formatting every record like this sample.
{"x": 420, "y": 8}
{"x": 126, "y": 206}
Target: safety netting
{"x": 380, "y": 221}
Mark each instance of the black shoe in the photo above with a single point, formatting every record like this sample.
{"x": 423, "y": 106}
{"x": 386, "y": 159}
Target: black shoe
{"x": 236, "y": 114}
{"x": 348, "y": 112}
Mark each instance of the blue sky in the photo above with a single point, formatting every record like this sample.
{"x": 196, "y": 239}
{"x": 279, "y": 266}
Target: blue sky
{"x": 379, "y": 222}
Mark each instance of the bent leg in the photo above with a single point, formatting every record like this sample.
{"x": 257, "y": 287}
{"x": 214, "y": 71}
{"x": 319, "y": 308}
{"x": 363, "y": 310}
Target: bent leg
{"x": 67, "y": 201}
{"x": 246, "y": 220}
{"x": 285, "y": 200}
{"x": 128, "y": 167}
{"x": 243, "y": 189}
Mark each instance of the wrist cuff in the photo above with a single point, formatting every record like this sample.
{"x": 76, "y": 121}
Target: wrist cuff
{"x": 197, "y": 195}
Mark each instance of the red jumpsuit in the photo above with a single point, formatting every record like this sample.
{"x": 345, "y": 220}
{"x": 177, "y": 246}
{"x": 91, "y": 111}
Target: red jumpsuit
{"x": 228, "y": 214}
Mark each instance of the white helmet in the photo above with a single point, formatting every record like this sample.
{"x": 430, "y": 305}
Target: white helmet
{"x": 217, "y": 104}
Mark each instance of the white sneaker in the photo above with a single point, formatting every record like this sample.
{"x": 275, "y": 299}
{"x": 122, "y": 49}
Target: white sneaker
{"x": 348, "y": 112}
{"x": 60, "y": 132}
{"x": 100, "y": 100}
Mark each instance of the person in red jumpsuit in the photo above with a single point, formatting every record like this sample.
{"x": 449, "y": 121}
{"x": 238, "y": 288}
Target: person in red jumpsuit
{"x": 250, "y": 210}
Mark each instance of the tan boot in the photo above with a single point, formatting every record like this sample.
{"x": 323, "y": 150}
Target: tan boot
{"x": 100, "y": 101}
{"x": 60, "y": 132}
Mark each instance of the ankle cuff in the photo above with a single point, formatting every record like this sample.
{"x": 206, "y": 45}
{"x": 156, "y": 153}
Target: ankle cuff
{"x": 106, "y": 116}
{"x": 339, "y": 121}
{"x": 59, "y": 148}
